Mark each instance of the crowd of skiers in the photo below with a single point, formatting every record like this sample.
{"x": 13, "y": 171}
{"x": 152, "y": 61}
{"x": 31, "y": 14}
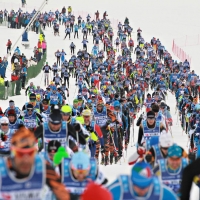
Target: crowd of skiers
{"x": 113, "y": 86}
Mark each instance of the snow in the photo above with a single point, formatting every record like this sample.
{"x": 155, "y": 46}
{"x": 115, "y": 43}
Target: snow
{"x": 166, "y": 19}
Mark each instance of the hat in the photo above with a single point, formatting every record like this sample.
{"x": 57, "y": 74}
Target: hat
{"x": 100, "y": 102}
{"x": 162, "y": 104}
{"x": 116, "y": 104}
{"x": 75, "y": 101}
{"x": 174, "y": 150}
{"x": 80, "y": 97}
{"x": 141, "y": 175}
{"x": 45, "y": 101}
{"x": 165, "y": 140}
{"x": 150, "y": 114}
{"x": 96, "y": 191}
{"x": 23, "y": 138}
{"x": 86, "y": 112}
{"x": 55, "y": 117}
{"x": 4, "y": 120}
{"x": 53, "y": 146}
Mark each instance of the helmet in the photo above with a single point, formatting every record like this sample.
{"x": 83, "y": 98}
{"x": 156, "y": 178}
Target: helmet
{"x": 86, "y": 112}
{"x": 165, "y": 140}
{"x": 4, "y": 120}
{"x": 94, "y": 189}
{"x": 11, "y": 112}
{"x": 197, "y": 107}
{"x": 66, "y": 109}
{"x": 141, "y": 175}
{"x": 54, "y": 88}
{"x": 81, "y": 161}
{"x": 116, "y": 104}
{"x": 32, "y": 96}
{"x": 29, "y": 106}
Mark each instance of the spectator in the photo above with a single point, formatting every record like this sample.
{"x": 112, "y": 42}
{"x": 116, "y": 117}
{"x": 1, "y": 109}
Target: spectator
{"x": 1, "y": 17}
{"x": 1, "y": 81}
{"x": 39, "y": 44}
{"x": 1, "y": 113}
{"x": 23, "y": 76}
{"x": 17, "y": 50}
{"x": 9, "y": 44}
{"x": 44, "y": 46}
{"x": 3, "y": 66}
{"x": 14, "y": 77}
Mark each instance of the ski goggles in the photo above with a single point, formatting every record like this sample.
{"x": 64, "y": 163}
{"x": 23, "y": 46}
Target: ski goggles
{"x": 11, "y": 104}
{"x": 32, "y": 99}
{"x": 66, "y": 114}
{"x": 45, "y": 103}
{"x": 20, "y": 152}
{"x": 30, "y": 109}
{"x": 80, "y": 172}
{"x": 116, "y": 107}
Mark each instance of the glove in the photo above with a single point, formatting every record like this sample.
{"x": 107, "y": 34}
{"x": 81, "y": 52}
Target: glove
{"x": 148, "y": 157}
{"x": 141, "y": 116}
{"x": 22, "y": 113}
{"x": 102, "y": 150}
{"x": 89, "y": 128}
{"x": 3, "y": 137}
{"x": 77, "y": 127}
{"x": 108, "y": 122}
{"x": 141, "y": 151}
{"x": 68, "y": 95}
{"x": 117, "y": 122}
{"x": 124, "y": 133}
{"x": 192, "y": 156}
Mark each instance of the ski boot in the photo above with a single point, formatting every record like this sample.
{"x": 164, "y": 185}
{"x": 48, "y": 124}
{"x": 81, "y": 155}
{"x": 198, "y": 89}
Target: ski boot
{"x": 106, "y": 161}
{"x": 111, "y": 159}
{"x": 116, "y": 159}
{"x": 102, "y": 160}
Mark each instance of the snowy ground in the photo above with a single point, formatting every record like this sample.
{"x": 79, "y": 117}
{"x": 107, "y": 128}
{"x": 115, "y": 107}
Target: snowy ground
{"x": 165, "y": 20}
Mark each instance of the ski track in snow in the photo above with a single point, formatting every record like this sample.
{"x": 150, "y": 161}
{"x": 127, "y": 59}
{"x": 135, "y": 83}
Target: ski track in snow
{"x": 165, "y": 20}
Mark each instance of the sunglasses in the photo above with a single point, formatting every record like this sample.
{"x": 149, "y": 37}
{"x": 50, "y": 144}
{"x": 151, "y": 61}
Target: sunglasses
{"x": 32, "y": 99}
{"x": 86, "y": 116}
{"x": 29, "y": 109}
{"x": 165, "y": 148}
{"x": 19, "y": 152}
{"x": 116, "y": 107}
{"x": 4, "y": 124}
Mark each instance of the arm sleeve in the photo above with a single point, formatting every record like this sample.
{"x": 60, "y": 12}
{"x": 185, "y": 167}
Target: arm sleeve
{"x": 140, "y": 135}
{"x": 53, "y": 181}
{"x": 189, "y": 173}
{"x": 39, "y": 132}
{"x": 72, "y": 132}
